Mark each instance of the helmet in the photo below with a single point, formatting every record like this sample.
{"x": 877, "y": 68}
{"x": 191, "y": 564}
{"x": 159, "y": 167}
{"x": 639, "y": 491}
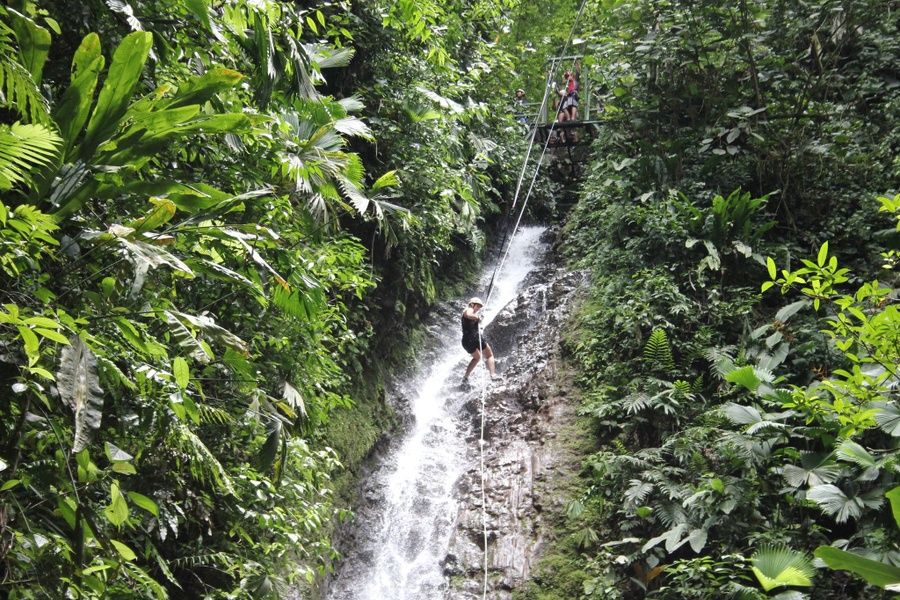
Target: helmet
{"x": 520, "y": 90}
{"x": 476, "y": 300}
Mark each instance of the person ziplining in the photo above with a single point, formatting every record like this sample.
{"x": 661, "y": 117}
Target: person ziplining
{"x": 474, "y": 341}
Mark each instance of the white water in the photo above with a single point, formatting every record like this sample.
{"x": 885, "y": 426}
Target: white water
{"x": 400, "y": 548}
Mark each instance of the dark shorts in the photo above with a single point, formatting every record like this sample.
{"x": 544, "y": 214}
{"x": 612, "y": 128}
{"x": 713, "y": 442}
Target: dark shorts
{"x": 470, "y": 343}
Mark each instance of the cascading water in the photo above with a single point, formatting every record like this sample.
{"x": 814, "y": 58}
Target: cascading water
{"x": 403, "y": 539}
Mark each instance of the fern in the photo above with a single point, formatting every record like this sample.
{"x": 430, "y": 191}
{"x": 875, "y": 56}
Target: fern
{"x": 79, "y": 387}
{"x": 23, "y": 150}
{"x": 215, "y": 559}
{"x": 637, "y": 491}
{"x": 658, "y": 352}
{"x": 721, "y": 358}
{"x": 149, "y": 586}
{"x": 635, "y": 403}
{"x": 213, "y": 414}
{"x": 203, "y": 465}
{"x": 670, "y": 514}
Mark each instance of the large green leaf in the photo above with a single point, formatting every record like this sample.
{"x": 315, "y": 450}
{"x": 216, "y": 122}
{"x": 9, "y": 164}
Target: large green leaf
{"x": 893, "y": 497}
{"x": 744, "y": 376}
{"x": 874, "y": 572}
{"x": 200, "y": 89}
{"x": 140, "y": 144}
{"x": 117, "y": 510}
{"x": 850, "y": 451}
{"x": 208, "y": 326}
{"x": 124, "y": 73}
{"x": 742, "y": 415}
{"x": 186, "y": 339}
{"x": 79, "y": 387}
{"x": 780, "y": 566}
{"x": 72, "y": 111}
{"x": 34, "y": 43}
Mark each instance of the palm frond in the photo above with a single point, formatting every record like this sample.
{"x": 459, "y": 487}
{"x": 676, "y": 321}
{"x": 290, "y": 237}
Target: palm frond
{"x": 352, "y": 104}
{"x": 446, "y": 103}
{"x": 25, "y": 149}
{"x": 201, "y": 463}
{"x": 637, "y": 491}
{"x": 721, "y": 358}
{"x": 127, "y": 12}
{"x": 780, "y": 566}
{"x": 17, "y": 87}
{"x": 326, "y": 57}
{"x": 635, "y": 403}
{"x": 353, "y": 127}
{"x": 839, "y": 505}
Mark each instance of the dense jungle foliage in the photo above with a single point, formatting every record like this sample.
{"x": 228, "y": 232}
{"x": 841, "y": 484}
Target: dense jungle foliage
{"x": 220, "y": 221}
{"x": 739, "y": 345}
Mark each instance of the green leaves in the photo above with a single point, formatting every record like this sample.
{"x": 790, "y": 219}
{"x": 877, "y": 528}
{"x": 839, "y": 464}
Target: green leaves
{"x": 823, "y": 254}
{"x": 881, "y": 574}
{"x": 121, "y": 80}
{"x": 780, "y": 566}
{"x": 79, "y": 387}
{"x": 745, "y": 377}
{"x": 142, "y": 501}
{"x": 182, "y": 372}
{"x": 24, "y": 150}
{"x": 658, "y": 352}
{"x": 842, "y": 507}
{"x": 72, "y": 111}
{"x": 124, "y": 551}
{"x": 876, "y": 573}
{"x": 18, "y": 87}
{"x": 34, "y": 43}
{"x": 116, "y": 512}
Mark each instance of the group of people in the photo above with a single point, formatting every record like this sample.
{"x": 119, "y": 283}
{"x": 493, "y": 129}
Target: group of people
{"x": 565, "y": 103}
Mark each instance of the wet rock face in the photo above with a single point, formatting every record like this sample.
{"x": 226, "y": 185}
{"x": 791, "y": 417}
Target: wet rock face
{"x": 418, "y": 529}
{"x": 521, "y": 416}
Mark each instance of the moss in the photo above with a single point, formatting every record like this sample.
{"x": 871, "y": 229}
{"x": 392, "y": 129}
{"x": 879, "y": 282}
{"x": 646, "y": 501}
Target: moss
{"x": 558, "y": 576}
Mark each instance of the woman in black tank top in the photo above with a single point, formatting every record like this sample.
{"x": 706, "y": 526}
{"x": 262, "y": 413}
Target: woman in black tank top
{"x": 472, "y": 341}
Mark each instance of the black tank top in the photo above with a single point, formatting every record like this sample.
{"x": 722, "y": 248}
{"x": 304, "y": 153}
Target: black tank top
{"x": 469, "y": 327}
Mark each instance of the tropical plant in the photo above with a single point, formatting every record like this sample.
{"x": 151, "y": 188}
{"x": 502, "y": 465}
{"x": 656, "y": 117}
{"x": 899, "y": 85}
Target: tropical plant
{"x": 779, "y": 566}
{"x": 882, "y": 573}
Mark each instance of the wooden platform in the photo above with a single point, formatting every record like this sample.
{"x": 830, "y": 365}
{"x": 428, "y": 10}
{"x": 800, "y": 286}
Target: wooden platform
{"x": 567, "y": 133}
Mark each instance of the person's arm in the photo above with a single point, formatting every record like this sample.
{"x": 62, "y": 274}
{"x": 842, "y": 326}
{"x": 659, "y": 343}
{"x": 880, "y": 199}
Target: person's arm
{"x": 470, "y": 314}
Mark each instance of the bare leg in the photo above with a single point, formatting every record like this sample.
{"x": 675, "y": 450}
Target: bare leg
{"x": 476, "y": 356}
{"x": 489, "y": 359}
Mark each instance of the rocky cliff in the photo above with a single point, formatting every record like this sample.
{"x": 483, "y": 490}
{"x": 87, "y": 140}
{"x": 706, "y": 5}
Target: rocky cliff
{"x": 527, "y": 463}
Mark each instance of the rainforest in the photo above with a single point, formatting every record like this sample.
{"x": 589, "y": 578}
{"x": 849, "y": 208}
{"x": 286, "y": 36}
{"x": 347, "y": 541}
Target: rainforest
{"x": 237, "y": 236}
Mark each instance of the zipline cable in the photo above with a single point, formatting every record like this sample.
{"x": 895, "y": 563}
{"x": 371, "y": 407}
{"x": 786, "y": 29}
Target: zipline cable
{"x": 537, "y": 169}
{"x": 498, "y": 268}
{"x": 512, "y": 207}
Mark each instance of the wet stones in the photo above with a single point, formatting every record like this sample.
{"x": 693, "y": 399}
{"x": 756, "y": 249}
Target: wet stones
{"x": 520, "y": 454}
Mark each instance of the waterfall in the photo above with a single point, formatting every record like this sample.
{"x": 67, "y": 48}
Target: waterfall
{"x": 403, "y": 536}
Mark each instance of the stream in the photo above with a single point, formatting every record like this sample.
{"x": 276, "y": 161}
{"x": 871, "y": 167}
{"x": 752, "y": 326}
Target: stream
{"x": 403, "y": 531}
